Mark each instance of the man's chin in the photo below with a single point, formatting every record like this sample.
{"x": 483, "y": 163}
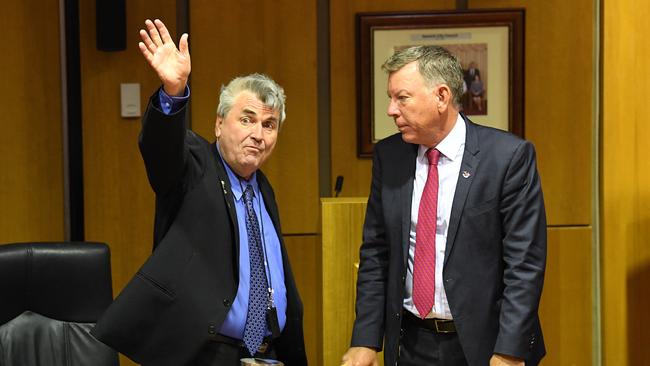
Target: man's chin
{"x": 252, "y": 164}
{"x": 407, "y": 137}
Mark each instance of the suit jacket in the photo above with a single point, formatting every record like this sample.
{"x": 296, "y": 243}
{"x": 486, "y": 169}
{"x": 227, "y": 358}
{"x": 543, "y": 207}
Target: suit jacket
{"x": 495, "y": 255}
{"x": 180, "y": 297}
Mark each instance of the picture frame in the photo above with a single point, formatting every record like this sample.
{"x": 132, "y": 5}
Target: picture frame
{"x": 490, "y": 41}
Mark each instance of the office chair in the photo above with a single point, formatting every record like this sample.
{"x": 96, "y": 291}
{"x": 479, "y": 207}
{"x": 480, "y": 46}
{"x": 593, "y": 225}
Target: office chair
{"x": 51, "y": 294}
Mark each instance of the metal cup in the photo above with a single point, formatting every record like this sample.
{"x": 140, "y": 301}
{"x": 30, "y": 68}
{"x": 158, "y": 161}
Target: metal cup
{"x": 260, "y": 361}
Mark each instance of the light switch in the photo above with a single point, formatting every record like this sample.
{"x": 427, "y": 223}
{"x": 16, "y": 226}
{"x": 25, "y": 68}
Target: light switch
{"x": 130, "y": 99}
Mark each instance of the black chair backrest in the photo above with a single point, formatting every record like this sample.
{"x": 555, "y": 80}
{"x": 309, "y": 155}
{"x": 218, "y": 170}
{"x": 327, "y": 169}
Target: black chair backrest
{"x": 65, "y": 281}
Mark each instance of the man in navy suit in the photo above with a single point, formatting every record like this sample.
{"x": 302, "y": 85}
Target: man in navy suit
{"x": 218, "y": 286}
{"x": 454, "y": 241}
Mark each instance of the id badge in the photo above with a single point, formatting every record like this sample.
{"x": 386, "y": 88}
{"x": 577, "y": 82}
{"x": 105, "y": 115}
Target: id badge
{"x": 272, "y": 322}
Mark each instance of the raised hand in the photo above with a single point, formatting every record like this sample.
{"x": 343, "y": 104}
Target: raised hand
{"x": 172, "y": 64}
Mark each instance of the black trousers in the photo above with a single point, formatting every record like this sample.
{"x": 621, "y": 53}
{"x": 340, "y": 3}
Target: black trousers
{"x": 421, "y": 346}
{"x": 217, "y": 353}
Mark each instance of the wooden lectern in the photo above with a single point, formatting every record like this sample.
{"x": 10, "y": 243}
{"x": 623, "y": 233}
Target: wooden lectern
{"x": 341, "y": 228}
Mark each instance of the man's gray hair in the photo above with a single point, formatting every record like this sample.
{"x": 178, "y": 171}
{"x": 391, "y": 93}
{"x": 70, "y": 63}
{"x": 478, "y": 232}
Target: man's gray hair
{"x": 435, "y": 64}
{"x": 262, "y": 86}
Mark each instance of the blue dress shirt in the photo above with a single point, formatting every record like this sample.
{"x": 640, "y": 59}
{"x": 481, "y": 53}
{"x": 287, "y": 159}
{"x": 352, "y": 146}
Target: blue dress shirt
{"x": 235, "y": 321}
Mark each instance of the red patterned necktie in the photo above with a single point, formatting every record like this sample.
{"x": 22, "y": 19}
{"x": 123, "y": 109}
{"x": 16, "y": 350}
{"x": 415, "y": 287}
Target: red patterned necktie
{"x": 424, "y": 261}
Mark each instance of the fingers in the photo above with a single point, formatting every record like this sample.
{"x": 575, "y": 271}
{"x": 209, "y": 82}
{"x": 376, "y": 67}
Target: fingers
{"x": 153, "y": 32}
{"x": 344, "y": 359}
{"x": 162, "y": 30}
{"x": 183, "y": 45}
{"x": 146, "y": 40}
{"x": 157, "y": 35}
{"x": 145, "y": 52}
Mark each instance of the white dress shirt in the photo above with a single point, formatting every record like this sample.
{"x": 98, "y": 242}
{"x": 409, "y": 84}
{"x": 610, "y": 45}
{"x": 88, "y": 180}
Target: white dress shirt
{"x": 451, "y": 148}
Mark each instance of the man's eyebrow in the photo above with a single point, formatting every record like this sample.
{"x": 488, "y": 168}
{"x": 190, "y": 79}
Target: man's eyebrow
{"x": 397, "y": 92}
{"x": 249, "y": 111}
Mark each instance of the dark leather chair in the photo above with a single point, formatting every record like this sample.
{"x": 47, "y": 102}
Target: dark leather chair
{"x": 51, "y": 294}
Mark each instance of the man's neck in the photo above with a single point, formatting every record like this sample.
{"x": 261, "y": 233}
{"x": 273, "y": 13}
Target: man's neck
{"x": 449, "y": 119}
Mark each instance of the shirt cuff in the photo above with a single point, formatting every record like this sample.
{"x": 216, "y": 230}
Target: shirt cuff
{"x": 170, "y": 104}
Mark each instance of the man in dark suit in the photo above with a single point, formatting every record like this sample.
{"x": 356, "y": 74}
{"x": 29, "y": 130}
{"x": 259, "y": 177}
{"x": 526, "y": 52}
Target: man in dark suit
{"x": 218, "y": 286}
{"x": 470, "y": 74}
{"x": 454, "y": 242}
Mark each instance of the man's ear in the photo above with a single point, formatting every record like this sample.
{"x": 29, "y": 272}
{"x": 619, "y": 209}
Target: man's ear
{"x": 217, "y": 127}
{"x": 443, "y": 95}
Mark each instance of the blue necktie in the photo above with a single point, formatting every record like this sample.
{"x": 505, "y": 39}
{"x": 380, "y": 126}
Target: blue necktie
{"x": 257, "y": 297}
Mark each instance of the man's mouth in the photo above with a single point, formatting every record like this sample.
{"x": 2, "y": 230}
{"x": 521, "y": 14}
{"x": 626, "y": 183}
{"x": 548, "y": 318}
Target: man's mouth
{"x": 254, "y": 148}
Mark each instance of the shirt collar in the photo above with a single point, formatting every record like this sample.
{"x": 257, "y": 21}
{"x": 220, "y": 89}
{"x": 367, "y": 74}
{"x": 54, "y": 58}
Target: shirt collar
{"x": 451, "y": 144}
{"x": 238, "y": 184}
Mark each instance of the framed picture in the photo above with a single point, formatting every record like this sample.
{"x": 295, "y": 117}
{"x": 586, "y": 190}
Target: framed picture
{"x": 489, "y": 45}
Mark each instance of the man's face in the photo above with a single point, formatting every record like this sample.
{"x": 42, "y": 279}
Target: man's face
{"x": 247, "y": 134}
{"x": 413, "y": 106}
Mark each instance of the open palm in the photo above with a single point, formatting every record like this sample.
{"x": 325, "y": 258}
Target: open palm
{"x": 172, "y": 64}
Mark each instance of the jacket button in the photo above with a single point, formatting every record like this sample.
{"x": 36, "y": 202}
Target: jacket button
{"x": 211, "y": 329}
{"x": 397, "y": 315}
{"x": 226, "y": 303}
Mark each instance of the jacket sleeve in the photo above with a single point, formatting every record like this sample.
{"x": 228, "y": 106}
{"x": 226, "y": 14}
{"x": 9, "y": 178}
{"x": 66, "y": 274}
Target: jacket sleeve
{"x": 372, "y": 279}
{"x": 524, "y": 254}
{"x": 163, "y": 148}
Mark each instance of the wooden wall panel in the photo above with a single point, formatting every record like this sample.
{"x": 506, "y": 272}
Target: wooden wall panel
{"x": 118, "y": 200}
{"x": 31, "y": 149}
{"x": 277, "y": 38}
{"x": 558, "y": 77}
{"x": 119, "y": 203}
{"x": 566, "y": 307}
{"x": 625, "y": 189}
{"x": 304, "y": 254}
{"x": 558, "y": 101}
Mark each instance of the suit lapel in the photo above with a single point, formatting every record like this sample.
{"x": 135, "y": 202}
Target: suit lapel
{"x": 272, "y": 209}
{"x": 224, "y": 183}
{"x": 405, "y": 198}
{"x": 269, "y": 202}
{"x": 467, "y": 172}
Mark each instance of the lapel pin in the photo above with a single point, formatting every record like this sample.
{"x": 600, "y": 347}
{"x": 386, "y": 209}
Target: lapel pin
{"x": 466, "y": 174}
{"x": 223, "y": 186}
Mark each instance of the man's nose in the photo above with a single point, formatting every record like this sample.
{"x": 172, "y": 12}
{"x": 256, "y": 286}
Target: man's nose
{"x": 256, "y": 131}
{"x": 392, "y": 111}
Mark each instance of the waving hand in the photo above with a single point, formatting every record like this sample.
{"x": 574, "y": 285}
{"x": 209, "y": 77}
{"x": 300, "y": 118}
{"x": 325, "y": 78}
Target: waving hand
{"x": 172, "y": 64}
